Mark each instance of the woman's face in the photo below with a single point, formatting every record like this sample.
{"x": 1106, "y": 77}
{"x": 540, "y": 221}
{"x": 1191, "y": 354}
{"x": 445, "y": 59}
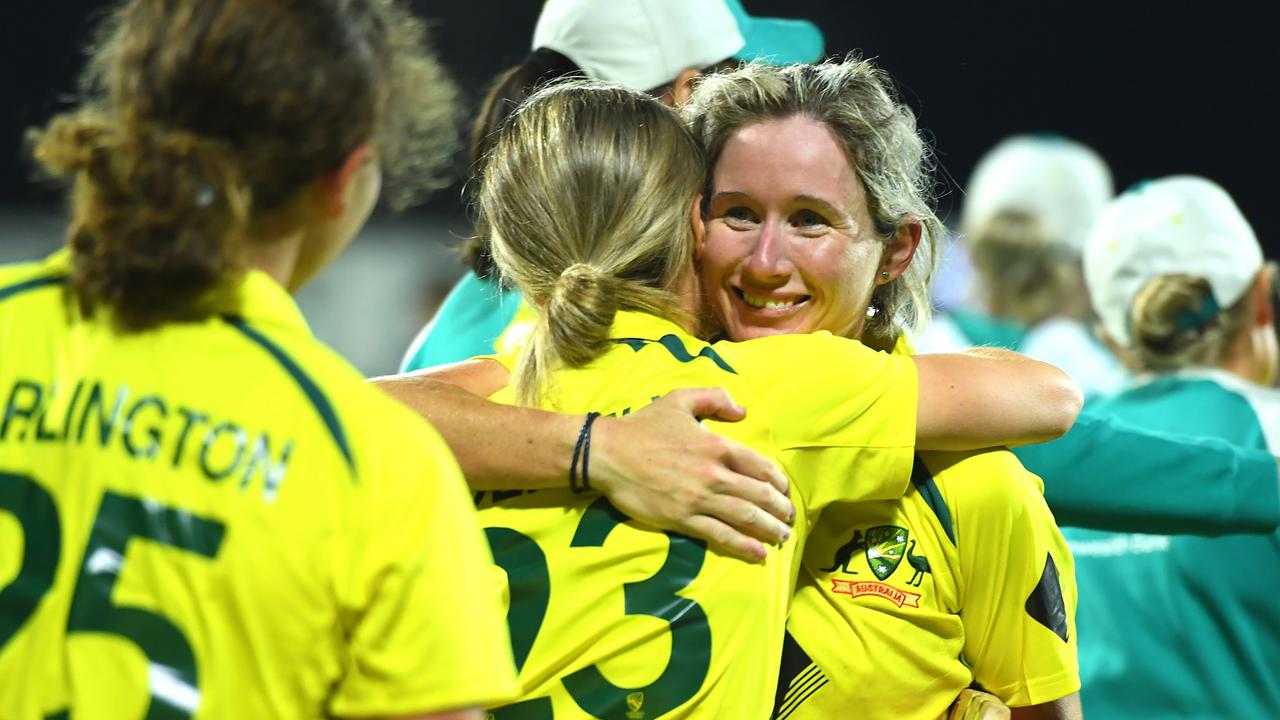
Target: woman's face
{"x": 789, "y": 245}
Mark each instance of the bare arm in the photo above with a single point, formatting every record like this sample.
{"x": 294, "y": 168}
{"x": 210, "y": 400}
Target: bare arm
{"x": 657, "y": 464}
{"x": 985, "y": 397}
{"x": 1066, "y": 708}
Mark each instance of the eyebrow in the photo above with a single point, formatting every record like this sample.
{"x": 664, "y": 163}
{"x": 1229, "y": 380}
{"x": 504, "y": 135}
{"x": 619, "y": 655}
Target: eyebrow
{"x": 809, "y": 199}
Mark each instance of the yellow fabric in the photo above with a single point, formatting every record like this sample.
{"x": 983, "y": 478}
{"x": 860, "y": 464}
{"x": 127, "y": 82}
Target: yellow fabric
{"x": 303, "y": 543}
{"x": 906, "y": 644}
{"x": 837, "y": 417}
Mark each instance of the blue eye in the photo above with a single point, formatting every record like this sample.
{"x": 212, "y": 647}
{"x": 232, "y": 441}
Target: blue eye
{"x": 809, "y": 219}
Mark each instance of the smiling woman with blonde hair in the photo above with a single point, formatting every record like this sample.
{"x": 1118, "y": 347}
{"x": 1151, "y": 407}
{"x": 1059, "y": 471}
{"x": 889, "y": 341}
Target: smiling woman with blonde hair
{"x": 591, "y": 194}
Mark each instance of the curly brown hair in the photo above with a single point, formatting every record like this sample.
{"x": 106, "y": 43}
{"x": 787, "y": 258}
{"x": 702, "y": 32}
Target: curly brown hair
{"x": 203, "y": 118}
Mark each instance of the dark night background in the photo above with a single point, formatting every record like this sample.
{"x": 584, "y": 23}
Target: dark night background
{"x": 1156, "y": 88}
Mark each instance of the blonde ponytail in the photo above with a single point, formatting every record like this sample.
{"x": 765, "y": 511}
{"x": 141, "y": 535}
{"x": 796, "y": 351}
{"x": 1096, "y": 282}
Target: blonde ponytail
{"x": 588, "y": 195}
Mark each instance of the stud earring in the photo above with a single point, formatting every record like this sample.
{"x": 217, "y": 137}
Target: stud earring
{"x": 884, "y": 276}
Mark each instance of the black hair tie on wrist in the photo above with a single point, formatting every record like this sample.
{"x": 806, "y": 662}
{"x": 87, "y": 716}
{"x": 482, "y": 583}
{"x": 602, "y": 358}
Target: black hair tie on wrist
{"x": 582, "y": 450}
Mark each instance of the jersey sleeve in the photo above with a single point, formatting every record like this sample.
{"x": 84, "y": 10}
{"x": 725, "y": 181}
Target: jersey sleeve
{"x": 1107, "y": 475}
{"x": 845, "y": 419}
{"x": 1018, "y": 598}
{"x": 421, "y": 607}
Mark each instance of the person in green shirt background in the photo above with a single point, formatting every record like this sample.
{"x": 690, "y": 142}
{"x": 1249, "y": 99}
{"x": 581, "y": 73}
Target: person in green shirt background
{"x": 1182, "y": 626}
{"x": 1027, "y": 208}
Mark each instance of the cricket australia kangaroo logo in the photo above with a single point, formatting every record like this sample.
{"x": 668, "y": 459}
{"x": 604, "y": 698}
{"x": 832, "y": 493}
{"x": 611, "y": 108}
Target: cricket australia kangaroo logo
{"x": 885, "y": 547}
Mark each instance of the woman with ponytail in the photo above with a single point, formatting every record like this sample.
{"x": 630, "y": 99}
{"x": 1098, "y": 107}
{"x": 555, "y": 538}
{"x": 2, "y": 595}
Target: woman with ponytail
{"x": 208, "y": 522}
{"x": 1178, "y": 626}
{"x": 591, "y": 193}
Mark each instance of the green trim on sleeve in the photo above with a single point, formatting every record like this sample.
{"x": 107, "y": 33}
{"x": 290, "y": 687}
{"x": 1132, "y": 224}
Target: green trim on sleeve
{"x": 928, "y": 489}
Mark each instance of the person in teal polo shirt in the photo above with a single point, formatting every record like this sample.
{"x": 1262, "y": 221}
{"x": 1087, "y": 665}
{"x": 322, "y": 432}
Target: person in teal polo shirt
{"x": 1175, "y": 626}
{"x": 654, "y": 46}
{"x": 1027, "y": 209}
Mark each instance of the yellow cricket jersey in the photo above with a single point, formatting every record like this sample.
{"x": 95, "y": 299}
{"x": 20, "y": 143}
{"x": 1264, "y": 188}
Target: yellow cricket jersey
{"x": 611, "y": 619}
{"x": 223, "y": 520}
{"x": 902, "y": 604}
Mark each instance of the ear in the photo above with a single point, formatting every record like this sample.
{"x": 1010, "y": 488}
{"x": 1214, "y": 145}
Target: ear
{"x": 898, "y": 253}
{"x": 1263, "y": 311}
{"x": 682, "y": 88}
{"x": 333, "y": 185}
{"x": 699, "y": 226}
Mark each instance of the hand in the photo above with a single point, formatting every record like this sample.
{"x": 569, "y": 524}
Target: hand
{"x": 661, "y": 467}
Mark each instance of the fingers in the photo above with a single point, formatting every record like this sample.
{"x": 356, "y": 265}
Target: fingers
{"x": 724, "y": 539}
{"x": 713, "y": 403}
{"x": 748, "y": 516}
{"x": 745, "y": 461}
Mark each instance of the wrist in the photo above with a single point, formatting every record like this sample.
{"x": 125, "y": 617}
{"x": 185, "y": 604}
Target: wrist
{"x": 604, "y": 475}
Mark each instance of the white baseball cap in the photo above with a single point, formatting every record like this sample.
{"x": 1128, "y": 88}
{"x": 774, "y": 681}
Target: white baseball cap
{"x": 1176, "y": 225}
{"x": 644, "y": 44}
{"x": 1058, "y": 181}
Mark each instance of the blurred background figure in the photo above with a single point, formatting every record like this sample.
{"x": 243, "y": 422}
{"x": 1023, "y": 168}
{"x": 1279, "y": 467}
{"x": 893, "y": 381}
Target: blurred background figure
{"x": 1028, "y": 207}
{"x": 655, "y": 46}
{"x": 1182, "y": 626}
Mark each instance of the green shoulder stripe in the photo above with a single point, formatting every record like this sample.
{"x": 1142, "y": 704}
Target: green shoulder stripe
{"x": 678, "y": 351}
{"x": 308, "y": 386}
{"x": 33, "y": 284}
{"x": 928, "y": 489}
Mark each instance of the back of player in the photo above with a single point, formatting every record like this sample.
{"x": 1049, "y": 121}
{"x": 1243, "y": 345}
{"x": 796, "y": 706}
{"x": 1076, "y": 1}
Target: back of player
{"x": 209, "y": 528}
{"x": 610, "y": 618}
{"x": 964, "y": 581}
{"x": 204, "y": 512}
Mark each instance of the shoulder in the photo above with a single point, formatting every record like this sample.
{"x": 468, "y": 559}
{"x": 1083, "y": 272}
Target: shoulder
{"x": 22, "y": 279}
{"x": 372, "y": 431}
{"x": 983, "y": 489}
{"x": 1263, "y": 402}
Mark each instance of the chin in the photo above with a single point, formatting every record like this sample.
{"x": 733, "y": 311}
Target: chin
{"x": 741, "y": 332}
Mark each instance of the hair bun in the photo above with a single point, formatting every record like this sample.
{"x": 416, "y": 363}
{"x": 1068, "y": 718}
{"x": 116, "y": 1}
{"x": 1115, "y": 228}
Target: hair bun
{"x": 580, "y": 311}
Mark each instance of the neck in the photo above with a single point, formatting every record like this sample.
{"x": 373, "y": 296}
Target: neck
{"x": 1248, "y": 358}
{"x": 688, "y": 290}
{"x": 277, "y": 258}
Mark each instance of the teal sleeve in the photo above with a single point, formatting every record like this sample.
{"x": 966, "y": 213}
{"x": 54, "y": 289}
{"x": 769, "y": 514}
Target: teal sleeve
{"x": 468, "y": 323}
{"x": 1106, "y": 475}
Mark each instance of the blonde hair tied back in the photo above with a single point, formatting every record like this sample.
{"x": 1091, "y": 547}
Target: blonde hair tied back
{"x": 588, "y": 196}
{"x": 1175, "y": 326}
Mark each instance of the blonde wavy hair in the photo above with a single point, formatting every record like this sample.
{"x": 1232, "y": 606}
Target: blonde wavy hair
{"x": 858, "y": 102}
{"x": 588, "y": 194}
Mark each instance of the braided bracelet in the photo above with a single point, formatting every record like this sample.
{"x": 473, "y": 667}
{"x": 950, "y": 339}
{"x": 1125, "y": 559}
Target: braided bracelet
{"x": 580, "y": 484}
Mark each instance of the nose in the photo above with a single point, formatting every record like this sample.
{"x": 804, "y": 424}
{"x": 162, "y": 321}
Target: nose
{"x": 768, "y": 264}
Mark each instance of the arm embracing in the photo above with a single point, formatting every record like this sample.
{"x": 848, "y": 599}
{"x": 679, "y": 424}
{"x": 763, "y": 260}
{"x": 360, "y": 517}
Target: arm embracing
{"x": 658, "y": 464}
{"x": 986, "y": 397}
{"x": 1107, "y": 475}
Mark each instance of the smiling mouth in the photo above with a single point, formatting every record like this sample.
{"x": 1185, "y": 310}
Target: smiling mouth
{"x": 764, "y": 303}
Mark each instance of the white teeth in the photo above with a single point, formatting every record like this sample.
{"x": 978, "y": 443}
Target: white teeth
{"x": 767, "y": 303}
